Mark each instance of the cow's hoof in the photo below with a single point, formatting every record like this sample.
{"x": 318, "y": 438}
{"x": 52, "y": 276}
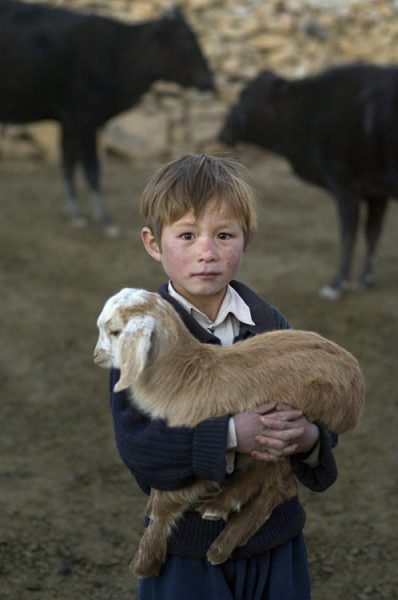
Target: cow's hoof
{"x": 330, "y": 293}
{"x": 367, "y": 282}
{"x": 333, "y": 292}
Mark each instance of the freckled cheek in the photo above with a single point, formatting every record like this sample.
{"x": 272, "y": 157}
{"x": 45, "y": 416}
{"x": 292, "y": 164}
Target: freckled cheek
{"x": 233, "y": 257}
{"x": 174, "y": 261}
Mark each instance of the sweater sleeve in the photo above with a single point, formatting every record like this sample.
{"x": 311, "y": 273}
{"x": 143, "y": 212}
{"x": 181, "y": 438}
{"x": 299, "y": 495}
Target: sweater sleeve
{"x": 163, "y": 457}
{"x": 321, "y": 476}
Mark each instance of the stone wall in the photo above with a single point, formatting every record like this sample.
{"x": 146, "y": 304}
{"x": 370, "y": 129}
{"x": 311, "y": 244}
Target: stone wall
{"x": 293, "y": 37}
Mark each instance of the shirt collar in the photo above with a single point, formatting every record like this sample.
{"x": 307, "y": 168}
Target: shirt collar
{"x": 231, "y": 304}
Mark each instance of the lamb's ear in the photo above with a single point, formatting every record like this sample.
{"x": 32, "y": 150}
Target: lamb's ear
{"x": 134, "y": 347}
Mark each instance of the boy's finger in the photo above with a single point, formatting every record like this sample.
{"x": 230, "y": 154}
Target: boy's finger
{"x": 278, "y": 439}
{"x": 280, "y": 422}
{"x": 273, "y": 455}
{"x": 265, "y": 408}
{"x": 280, "y": 407}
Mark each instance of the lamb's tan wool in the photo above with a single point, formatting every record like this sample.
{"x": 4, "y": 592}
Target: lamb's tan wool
{"x": 174, "y": 377}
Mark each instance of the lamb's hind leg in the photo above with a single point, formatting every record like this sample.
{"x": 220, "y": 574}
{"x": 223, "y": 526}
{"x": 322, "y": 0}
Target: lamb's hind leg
{"x": 239, "y": 529}
{"x": 165, "y": 509}
{"x": 242, "y": 526}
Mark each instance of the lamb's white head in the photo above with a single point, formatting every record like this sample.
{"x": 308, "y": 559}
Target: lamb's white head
{"x": 118, "y": 321}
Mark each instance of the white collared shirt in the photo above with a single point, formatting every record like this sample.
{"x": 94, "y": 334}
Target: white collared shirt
{"x": 232, "y": 312}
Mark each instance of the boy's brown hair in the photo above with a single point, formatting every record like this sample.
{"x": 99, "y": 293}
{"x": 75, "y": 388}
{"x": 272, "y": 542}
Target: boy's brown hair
{"x": 188, "y": 183}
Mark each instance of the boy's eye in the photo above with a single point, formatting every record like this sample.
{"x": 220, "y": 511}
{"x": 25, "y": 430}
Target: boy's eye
{"x": 186, "y": 236}
{"x": 224, "y": 235}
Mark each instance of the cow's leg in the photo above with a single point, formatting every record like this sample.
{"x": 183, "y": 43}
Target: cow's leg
{"x": 376, "y": 210}
{"x": 88, "y": 147}
{"x": 348, "y": 211}
{"x": 70, "y": 157}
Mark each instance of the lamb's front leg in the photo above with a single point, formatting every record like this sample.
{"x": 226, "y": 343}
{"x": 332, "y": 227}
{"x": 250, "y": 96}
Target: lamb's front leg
{"x": 165, "y": 508}
{"x": 244, "y": 485}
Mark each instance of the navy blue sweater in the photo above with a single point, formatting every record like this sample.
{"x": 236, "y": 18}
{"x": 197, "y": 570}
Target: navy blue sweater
{"x": 168, "y": 458}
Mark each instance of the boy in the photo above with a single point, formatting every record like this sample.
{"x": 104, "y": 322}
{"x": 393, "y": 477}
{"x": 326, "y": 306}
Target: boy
{"x": 199, "y": 220}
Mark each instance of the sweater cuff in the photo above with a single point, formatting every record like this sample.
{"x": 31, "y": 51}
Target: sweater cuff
{"x": 324, "y": 473}
{"x": 209, "y": 449}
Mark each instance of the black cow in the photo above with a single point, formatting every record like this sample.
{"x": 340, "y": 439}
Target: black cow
{"x": 338, "y": 130}
{"x": 82, "y": 69}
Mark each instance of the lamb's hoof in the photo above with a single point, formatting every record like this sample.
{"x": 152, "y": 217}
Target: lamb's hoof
{"x": 211, "y": 512}
{"x": 141, "y": 568}
{"x": 218, "y": 509}
{"x": 210, "y": 515}
{"x": 216, "y": 555}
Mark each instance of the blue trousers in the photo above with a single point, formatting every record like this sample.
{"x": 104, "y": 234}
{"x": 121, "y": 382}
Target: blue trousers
{"x": 280, "y": 574}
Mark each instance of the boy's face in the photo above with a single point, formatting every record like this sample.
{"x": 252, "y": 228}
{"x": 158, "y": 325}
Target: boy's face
{"x": 200, "y": 256}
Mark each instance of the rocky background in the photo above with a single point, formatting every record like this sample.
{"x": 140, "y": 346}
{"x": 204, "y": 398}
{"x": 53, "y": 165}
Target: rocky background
{"x": 239, "y": 38}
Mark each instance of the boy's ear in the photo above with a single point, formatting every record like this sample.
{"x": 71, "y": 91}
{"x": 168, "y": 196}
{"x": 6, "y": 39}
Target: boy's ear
{"x": 150, "y": 244}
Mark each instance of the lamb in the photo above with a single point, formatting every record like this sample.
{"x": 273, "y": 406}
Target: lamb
{"x": 172, "y": 376}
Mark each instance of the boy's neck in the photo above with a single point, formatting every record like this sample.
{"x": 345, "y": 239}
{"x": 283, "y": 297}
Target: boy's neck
{"x": 208, "y": 305}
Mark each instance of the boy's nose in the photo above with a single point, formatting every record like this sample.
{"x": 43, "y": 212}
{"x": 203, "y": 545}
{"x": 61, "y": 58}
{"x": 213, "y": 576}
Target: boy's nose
{"x": 207, "y": 251}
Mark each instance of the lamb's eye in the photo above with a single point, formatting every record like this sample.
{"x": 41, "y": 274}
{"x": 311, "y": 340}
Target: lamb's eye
{"x": 115, "y": 332}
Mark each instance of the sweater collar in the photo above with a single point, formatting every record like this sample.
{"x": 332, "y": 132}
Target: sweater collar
{"x": 261, "y": 313}
{"x": 232, "y": 304}
{"x": 201, "y": 334}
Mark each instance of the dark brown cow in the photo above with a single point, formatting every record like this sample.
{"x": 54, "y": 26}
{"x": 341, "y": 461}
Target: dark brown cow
{"x": 82, "y": 69}
{"x": 338, "y": 130}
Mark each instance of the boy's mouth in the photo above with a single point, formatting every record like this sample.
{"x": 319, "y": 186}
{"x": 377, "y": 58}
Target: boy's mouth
{"x": 206, "y": 274}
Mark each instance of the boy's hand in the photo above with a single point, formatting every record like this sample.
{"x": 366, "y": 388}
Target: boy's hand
{"x": 286, "y": 431}
{"x": 248, "y": 425}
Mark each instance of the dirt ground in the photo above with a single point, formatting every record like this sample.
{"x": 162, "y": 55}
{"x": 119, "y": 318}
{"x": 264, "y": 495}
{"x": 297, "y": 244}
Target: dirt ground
{"x": 71, "y": 514}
